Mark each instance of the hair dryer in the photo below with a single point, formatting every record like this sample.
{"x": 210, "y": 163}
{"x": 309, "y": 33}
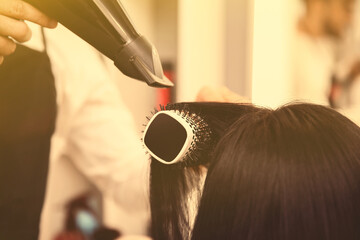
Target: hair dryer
{"x": 105, "y": 25}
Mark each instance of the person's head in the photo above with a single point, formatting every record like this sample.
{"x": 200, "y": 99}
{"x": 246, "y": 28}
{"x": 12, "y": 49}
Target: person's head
{"x": 290, "y": 173}
{"x": 334, "y": 16}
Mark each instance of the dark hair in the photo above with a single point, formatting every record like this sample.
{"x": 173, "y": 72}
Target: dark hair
{"x": 171, "y": 185}
{"x": 291, "y": 173}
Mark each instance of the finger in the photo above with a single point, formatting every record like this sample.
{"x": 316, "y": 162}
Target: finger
{"x": 201, "y": 95}
{"x": 230, "y": 96}
{"x": 14, "y": 28}
{"x": 24, "y": 11}
{"x": 7, "y": 46}
{"x": 209, "y": 94}
{"x": 1, "y": 59}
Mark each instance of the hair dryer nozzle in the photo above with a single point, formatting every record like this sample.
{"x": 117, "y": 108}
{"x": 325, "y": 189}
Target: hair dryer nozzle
{"x": 140, "y": 60}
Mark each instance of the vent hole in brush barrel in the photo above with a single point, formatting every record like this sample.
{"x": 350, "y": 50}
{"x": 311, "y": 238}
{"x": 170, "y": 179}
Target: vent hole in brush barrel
{"x": 165, "y": 137}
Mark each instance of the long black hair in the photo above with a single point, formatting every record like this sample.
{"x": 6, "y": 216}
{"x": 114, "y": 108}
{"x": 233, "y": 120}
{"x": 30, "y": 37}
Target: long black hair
{"x": 290, "y": 173}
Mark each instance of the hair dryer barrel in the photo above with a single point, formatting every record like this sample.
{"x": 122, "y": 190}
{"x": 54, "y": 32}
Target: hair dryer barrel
{"x": 105, "y": 25}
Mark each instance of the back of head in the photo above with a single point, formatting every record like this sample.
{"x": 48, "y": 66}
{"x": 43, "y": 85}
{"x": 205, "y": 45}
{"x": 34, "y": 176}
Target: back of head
{"x": 292, "y": 173}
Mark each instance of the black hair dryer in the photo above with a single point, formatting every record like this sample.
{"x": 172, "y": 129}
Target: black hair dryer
{"x": 106, "y": 26}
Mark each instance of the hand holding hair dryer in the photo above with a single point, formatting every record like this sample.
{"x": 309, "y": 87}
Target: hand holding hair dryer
{"x": 105, "y": 25}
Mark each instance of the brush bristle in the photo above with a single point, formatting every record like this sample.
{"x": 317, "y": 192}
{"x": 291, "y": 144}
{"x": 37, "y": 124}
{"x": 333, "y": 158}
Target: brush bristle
{"x": 201, "y": 144}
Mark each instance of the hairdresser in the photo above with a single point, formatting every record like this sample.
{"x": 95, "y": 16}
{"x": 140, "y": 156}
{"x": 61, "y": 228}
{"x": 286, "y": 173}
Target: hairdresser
{"x": 95, "y": 144}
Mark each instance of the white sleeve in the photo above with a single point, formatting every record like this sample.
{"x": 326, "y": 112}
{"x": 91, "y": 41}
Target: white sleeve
{"x": 104, "y": 145}
{"x": 97, "y": 129}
